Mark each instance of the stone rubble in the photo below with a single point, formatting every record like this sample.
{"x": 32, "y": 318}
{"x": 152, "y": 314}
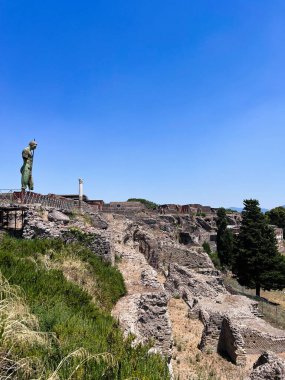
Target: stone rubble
{"x": 268, "y": 367}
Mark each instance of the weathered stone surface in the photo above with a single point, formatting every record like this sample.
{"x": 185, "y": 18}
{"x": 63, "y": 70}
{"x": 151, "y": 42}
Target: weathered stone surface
{"x": 99, "y": 222}
{"x": 148, "y": 246}
{"x": 96, "y": 242}
{"x": 190, "y": 283}
{"x": 154, "y": 322}
{"x": 143, "y": 311}
{"x": 231, "y": 342}
{"x": 164, "y": 251}
{"x": 149, "y": 278}
{"x": 57, "y": 216}
{"x": 231, "y": 325}
{"x": 268, "y": 367}
{"x": 145, "y": 316}
{"x": 206, "y": 225}
{"x": 36, "y": 226}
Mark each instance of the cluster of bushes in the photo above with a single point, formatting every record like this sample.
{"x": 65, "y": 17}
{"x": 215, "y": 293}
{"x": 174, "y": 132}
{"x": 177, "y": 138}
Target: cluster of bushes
{"x": 82, "y": 331}
{"x": 276, "y": 216}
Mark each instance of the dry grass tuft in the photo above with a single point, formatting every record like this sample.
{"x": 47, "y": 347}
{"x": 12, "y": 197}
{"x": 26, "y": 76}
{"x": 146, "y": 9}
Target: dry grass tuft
{"x": 76, "y": 359}
{"x": 18, "y": 326}
{"x": 80, "y": 273}
{"x": 19, "y": 331}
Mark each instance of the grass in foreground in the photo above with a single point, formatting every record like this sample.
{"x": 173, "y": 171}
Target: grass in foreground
{"x": 78, "y": 329}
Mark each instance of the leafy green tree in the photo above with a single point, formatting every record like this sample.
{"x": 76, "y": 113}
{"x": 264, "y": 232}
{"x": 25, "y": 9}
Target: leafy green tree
{"x": 225, "y": 239}
{"x": 257, "y": 262}
{"x": 276, "y": 216}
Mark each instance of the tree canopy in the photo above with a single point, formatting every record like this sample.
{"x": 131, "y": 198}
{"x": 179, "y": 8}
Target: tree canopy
{"x": 276, "y": 216}
{"x": 224, "y": 239}
{"x": 257, "y": 262}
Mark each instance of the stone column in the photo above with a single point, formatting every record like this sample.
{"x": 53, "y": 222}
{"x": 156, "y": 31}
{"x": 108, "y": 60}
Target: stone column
{"x": 80, "y": 192}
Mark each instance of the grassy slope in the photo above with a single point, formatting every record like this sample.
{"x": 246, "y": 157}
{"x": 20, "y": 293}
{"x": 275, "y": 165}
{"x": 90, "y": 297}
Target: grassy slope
{"x": 65, "y": 309}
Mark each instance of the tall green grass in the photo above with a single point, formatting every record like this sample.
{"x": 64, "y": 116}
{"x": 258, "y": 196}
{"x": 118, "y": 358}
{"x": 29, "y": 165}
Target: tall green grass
{"x": 66, "y": 310}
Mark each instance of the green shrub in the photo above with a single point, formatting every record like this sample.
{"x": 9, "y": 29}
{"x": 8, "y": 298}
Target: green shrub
{"x": 148, "y": 204}
{"x": 207, "y": 248}
{"x": 65, "y": 309}
{"x": 215, "y": 259}
{"x": 200, "y": 213}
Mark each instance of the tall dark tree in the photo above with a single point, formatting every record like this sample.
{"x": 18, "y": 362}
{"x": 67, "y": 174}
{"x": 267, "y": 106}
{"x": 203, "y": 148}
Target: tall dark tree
{"x": 257, "y": 262}
{"x": 224, "y": 239}
{"x": 276, "y": 216}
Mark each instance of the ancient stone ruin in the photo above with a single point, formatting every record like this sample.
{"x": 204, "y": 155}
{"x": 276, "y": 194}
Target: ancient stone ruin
{"x": 160, "y": 256}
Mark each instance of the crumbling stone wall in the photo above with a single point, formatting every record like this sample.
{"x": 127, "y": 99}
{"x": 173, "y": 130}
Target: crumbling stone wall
{"x": 204, "y": 283}
{"x": 98, "y": 244}
{"x": 231, "y": 342}
{"x": 161, "y": 254}
{"x": 183, "y": 256}
{"x": 212, "y": 329}
{"x": 122, "y": 207}
{"x": 153, "y": 321}
{"x": 230, "y": 322}
{"x": 37, "y": 225}
{"x": 148, "y": 246}
{"x": 48, "y": 223}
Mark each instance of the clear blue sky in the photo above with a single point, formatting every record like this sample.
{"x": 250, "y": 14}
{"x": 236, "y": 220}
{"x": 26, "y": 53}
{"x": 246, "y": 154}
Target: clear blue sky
{"x": 175, "y": 101}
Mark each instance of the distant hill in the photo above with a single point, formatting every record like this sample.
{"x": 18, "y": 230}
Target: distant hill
{"x": 239, "y": 209}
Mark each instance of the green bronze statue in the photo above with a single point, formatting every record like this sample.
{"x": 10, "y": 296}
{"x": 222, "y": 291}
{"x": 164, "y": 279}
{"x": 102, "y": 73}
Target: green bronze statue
{"x": 27, "y": 168}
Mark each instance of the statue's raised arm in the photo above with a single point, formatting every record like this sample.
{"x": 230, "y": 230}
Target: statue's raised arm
{"x": 27, "y": 167}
